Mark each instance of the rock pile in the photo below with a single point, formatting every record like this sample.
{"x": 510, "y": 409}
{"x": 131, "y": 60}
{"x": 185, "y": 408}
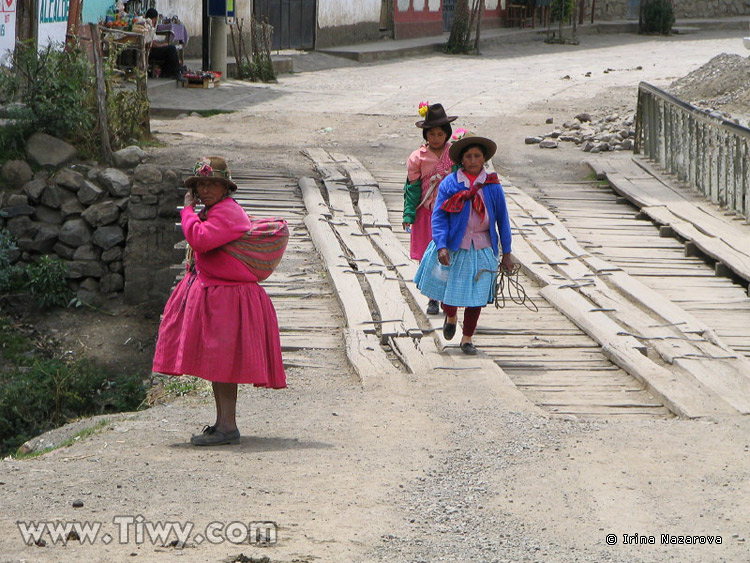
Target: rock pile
{"x": 723, "y": 84}
{"x": 81, "y": 212}
{"x": 610, "y": 133}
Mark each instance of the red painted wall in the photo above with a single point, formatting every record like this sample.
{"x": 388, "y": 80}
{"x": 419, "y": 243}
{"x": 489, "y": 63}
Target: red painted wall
{"x": 411, "y": 23}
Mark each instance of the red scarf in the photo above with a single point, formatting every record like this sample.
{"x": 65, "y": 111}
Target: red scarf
{"x": 455, "y": 203}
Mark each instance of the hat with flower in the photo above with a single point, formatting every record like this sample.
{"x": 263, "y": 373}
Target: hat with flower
{"x": 211, "y": 167}
{"x": 434, "y": 116}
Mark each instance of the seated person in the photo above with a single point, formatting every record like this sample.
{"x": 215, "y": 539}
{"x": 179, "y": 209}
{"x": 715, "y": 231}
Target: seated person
{"x": 161, "y": 53}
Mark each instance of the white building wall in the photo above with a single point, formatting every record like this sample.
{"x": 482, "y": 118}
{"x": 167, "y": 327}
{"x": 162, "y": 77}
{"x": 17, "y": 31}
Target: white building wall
{"x": 332, "y": 13}
{"x": 190, "y": 12}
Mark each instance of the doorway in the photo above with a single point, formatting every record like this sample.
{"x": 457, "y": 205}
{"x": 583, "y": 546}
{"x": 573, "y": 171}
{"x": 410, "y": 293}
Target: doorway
{"x": 293, "y": 22}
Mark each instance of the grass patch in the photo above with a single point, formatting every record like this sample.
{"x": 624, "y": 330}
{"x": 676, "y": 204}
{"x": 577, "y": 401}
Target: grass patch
{"x": 82, "y": 435}
{"x": 211, "y": 112}
{"x": 39, "y": 393}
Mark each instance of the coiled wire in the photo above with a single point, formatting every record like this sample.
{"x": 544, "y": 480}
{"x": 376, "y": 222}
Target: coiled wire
{"x": 508, "y": 287}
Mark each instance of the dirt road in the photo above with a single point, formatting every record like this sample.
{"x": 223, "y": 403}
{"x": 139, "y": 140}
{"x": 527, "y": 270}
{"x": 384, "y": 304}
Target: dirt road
{"x": 436, "y": 469}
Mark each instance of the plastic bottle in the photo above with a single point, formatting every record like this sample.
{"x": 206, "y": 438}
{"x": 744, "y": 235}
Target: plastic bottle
{"x": 110, "y": 17}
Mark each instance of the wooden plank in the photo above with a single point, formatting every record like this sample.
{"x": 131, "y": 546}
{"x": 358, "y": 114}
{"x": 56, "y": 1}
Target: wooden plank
{"x": 368, "y": 360}
{"x": 352, "y": 300}
{"x": 681, "y": 395}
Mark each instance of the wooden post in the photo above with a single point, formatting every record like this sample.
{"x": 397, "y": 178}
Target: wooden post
{"x": 74, "y": 19}
{"x": 101, "y": 94}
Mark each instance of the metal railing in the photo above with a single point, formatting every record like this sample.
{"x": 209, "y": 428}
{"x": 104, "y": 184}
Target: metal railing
{"x": 708, "y": 153}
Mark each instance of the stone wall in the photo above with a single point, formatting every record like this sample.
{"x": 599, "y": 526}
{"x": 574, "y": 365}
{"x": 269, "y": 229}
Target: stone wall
{"x": 618, "y": 9}
{"x": 112, "y": 226}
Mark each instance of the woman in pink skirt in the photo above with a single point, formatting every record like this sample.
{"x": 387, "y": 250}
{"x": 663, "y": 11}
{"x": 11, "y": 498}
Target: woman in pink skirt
{"x": 219, "y": 324}
{"x": 426, "y": 168}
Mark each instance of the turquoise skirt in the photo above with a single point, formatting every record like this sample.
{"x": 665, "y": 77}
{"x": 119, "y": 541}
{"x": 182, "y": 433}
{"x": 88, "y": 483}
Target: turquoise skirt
{"x": 469, "y": 281}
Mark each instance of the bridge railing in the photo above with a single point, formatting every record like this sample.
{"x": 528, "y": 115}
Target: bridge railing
{"x": 708, "y": 153}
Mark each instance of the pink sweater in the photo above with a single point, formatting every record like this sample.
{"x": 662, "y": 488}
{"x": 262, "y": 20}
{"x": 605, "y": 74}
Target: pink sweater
{"x": 226, "y": 221}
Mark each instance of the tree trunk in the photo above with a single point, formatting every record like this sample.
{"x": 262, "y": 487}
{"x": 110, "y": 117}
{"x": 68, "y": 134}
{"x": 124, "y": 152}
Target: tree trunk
{"x": 459, "y": 29}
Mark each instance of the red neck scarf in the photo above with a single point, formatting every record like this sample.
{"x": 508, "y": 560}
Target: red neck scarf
{"x": 455, "y": 203}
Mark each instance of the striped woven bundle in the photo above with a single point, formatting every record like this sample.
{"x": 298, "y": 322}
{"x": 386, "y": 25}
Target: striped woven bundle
{"x": 260, "y": 249}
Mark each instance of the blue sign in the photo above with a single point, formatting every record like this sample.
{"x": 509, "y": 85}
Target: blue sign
{"x": 221, "y": 8}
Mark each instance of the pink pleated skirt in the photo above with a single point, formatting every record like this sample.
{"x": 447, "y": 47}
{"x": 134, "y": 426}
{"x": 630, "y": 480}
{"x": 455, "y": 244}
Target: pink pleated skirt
{"x": 421, "y": 233}
{"x": 226, "y": 333}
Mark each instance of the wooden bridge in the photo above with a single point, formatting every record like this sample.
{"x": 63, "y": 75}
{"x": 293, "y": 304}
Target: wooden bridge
{"x": 641, "y": 287}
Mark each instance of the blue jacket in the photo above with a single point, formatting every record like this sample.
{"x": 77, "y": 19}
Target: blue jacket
{"x": 448, "y": 228}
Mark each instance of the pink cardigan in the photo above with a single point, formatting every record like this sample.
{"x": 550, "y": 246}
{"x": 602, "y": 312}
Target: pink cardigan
{"x": 226, "y": 221}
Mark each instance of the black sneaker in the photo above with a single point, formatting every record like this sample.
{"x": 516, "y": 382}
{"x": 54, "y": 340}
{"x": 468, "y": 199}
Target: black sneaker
{"x": 433, "y": 307}
{"x": 469, "y": 349}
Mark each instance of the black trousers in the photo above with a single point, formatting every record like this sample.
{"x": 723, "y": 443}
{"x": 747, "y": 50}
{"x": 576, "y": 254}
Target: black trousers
{"x": 167, "y": 58}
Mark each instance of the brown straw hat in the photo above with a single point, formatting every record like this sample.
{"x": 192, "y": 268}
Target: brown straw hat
{"x": 435, "y": 117}
{"x": 213, "y": 167}
{"x": 490, "y": 147}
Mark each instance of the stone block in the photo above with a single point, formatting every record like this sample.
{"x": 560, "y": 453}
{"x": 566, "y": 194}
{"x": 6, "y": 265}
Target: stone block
{"x": 45, "y": 214}
{"x": 113, "y": 254}
{"x": 20, "y": 226}
{"x": 16, "y": 199}
{"x": 54, "y": 196}
{"x": 89, "y": 193}
{"x": 78, "y": 269}
{"x": 16, "y": 173}
{"x": 138, "y": 211}
{"x": 109, "y": 236}
{"x": 147, "y": 174}
{"x": 35, "y": 188}
{"x": 69, "y": 179}
{"x": 116, "y": 181}
{"x": 104, "y": 213}
{"x": 64, "y": 251}
{"x": 16, "y": 211}
{"x": 111, "y": 283}
{"x": 46, "y": 150}
{"x": 72, "y": 207}
{"x": 129, "y": 157}
{"x": 45, "y": 239}
{"x": 90, "y": 284}
{"x": 75, "y": 232}
{"x": 87, "y": 252}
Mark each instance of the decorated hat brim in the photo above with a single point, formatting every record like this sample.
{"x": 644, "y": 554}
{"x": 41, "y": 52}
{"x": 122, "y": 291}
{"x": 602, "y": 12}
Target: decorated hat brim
{"x": 456, "y": 148}
{"x": 193, "y": 180}
{"x": 424, "y": 124}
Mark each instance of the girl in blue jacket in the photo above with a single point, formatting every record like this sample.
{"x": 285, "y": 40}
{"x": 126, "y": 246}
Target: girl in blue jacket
{"x": 469, "y": 218}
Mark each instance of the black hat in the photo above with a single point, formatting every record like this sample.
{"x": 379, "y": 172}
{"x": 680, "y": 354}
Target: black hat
{"x": 435, "y": 117}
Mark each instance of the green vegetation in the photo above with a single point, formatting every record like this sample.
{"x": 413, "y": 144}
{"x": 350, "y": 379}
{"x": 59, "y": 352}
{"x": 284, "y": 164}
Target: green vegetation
{"x": 38, "y": 393}
{"x": 47, "y": 282}
{"x": 561, "y": 9}
{"x": 211, "y": 112}
{"x": 44, "y": 280}
{"x": 657, "y": 16}
{"x": 85, "y": 433}
{"x": 53, "y": 90}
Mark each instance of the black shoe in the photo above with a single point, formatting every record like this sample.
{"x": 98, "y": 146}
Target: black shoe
{"x": 432, "y": 307}
{"x": 449, "y": 329}
{"x": 469, "y": 349}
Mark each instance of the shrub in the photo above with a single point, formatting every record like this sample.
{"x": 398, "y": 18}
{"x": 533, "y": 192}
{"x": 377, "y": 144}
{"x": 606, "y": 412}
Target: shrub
{"x": 47, "y": 284}
{"x": 10, "y": 275}
{"x": 49, "y": 393}
{"x": 55, "y": 87}
{"x": 657, "y": 16}
{"x": 53, "y": 90}
{"x": 561, "y": 9}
